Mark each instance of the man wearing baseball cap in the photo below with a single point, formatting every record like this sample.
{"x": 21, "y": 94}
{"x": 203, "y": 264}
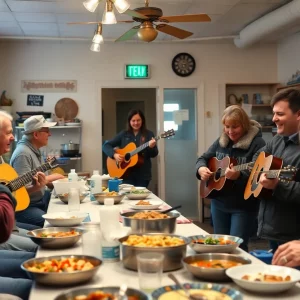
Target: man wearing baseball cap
{"x": 27, "y": 156}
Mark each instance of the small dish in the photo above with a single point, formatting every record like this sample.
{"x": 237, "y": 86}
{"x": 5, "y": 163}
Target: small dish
{"x": 65, "y": 218}
{"x": 154, "y": 204}
{"x": 236, "y": 274}
{"x": 72, "y": 124}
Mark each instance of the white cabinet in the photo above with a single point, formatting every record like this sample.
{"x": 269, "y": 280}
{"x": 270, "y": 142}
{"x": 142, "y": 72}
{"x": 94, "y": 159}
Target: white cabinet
{"x": 59, "y": 135}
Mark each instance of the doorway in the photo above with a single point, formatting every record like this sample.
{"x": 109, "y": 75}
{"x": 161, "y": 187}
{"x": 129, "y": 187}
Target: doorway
{"x": 116, "y": 103}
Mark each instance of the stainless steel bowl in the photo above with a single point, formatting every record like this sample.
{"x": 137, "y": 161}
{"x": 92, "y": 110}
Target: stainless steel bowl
{"x": 64, "y": 197}
{"x": 101, "y": 196}
{"x": 212, "y": 273}
{"x": 66, "y": 278}
{"x": 57, "y": 242}
{"x": 140, "y": 196}
{"x": 173, "y": 255}
{"x": 109, "y": 289}
{"x": 203, "y": 248}
{"x": 152, "y": 225}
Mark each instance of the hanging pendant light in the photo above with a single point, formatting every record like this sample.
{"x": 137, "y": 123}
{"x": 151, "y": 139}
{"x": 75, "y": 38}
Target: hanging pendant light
{"x": 98, "y": 38}
{"x": 109, "y": 15}
{"x": 95, "y": 47}
{"x": 91, "y": 5}
{"x": 121, "y": 5}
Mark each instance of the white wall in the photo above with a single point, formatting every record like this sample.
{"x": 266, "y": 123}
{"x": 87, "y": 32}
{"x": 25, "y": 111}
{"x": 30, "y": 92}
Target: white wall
{"x": 288, "y": 57}
{"x": 217, "y": 64}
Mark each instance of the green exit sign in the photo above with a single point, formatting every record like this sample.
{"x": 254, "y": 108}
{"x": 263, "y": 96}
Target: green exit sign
{"x": 137, "y": 71}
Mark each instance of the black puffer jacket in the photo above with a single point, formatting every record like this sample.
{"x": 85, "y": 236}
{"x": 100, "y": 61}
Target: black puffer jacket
{"x": 243, "y": 152}
{"x": 279, "y": 216}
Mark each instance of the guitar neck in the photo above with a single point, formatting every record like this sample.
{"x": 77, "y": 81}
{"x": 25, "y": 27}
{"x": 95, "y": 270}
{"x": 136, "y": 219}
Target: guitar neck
{"x": 26, "y": 178}
{"x": 237, "y": 168}
{"x": 142, "y": 147}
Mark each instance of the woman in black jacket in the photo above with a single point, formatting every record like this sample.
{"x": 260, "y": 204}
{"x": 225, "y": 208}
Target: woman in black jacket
{"x": 137, "y": 132}
{"x": 241, "y": 139}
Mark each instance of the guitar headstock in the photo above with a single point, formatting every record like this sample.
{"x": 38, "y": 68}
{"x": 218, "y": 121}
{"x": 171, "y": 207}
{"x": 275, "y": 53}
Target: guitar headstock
{"x": 288, "y": 174}
{"x": 167, "y": 133}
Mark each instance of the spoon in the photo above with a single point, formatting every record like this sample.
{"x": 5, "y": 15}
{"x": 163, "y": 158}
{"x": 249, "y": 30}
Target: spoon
{"x": 170, "y": 209}
{"x": 122, "y": 292}
{"x": 187, "y": 292}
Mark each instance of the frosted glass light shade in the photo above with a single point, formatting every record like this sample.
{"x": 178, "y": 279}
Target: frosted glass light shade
{"x": 98, "y": 39}
{"x": 109, "y": 17}
{"x": 121, "y": 5}
{"x": 95, "y": 47}
{"x": 91, "y": 5}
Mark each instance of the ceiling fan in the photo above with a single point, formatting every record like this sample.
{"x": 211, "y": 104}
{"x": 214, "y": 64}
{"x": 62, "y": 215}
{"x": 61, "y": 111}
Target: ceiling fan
{"x": 147, "y": 30}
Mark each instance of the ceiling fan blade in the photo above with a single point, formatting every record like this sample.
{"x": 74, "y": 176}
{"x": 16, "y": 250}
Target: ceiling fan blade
{"x": 174, "y": 31}
{"x": 135, "y": 14}
{"x": 128, "y": 34}
{"x": 185, "y": 18}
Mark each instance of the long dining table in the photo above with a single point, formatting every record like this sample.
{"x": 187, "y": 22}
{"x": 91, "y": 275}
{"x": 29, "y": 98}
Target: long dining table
{"x": 114, "y": 274}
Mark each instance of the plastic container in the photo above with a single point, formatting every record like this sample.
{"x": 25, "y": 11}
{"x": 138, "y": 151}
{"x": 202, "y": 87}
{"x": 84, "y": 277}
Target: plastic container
{"x": 74, "y": 199}
{"x": 95, "y": 184}
{"x": 263, "y": 255}
{"x": 91, "y": 240}
{"x": 110, "y": 229}
{"x": 72, "y": 176}
{"x": 113, "y": 185}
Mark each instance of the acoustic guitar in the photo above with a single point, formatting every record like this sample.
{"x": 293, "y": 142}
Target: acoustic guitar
{"x": 131, "y": 157}
{"x": 16, "y": 183}
{"x": 217, "y": 180}
{"x": 272, "y": 167}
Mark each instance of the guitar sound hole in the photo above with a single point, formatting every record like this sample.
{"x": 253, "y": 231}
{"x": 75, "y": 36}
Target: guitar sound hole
{"x": 127, "y": 157}
{"x": 218, "y": 174}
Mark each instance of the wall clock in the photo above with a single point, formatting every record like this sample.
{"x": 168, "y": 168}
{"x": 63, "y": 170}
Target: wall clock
{"x": 183, "y": 64}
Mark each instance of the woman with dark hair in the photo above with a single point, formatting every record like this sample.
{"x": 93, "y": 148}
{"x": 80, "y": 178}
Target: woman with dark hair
{"x": 241, "y": 139}
{"x": 137, "y": 132}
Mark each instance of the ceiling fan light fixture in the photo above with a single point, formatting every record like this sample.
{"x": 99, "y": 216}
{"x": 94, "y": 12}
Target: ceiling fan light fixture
{"x": 146, "y": 32}
{"x": 98, "y": 38}
{"x": 95, "y": 47}
{"x": 109, "y": 15}
{"x": 91, "y": 5}
{"x": 121, "y": 5}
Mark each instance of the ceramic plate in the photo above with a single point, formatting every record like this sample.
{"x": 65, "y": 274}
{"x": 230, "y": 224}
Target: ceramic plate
{"x": 236, "y": 274}
{"x": 173, "y": 292}
{"x": 141, "y": 196}
{"x": 154, "y": 204}
{"x": 65, "y": 218}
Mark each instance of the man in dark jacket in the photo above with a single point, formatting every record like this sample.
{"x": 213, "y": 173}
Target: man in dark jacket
{"x": 278, "y": 219}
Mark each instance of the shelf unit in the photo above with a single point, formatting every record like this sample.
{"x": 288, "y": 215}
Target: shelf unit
{"x": 59, "y": 135}
{"x": 281, "y": 87}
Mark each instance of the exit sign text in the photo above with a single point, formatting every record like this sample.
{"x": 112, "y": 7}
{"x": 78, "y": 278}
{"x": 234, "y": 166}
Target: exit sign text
{"x": 137, "y": 71}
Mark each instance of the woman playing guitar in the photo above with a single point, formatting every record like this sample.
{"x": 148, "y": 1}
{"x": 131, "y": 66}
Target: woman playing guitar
{"x": 240, "y": 140}
{"x": 140, "y": 173}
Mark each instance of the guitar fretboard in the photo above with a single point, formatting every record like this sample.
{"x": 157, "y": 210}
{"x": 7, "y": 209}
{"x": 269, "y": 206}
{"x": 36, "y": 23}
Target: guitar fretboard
{"x": 142, "y": 147}
{"x": 237, "y": 168}
{"x": 15, "y": 184}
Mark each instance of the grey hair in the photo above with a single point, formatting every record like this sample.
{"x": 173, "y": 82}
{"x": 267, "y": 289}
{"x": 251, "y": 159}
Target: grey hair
{"x": 4, "y": 115}
{"x": 28, "y": 136}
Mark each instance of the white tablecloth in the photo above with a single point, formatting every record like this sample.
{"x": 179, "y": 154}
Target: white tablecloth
{"x": 114, "y": 274}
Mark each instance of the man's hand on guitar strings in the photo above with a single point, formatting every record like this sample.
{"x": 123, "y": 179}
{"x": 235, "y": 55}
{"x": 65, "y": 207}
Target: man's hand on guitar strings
{"x": 152, "y": 143}
{"x": 204, "y": 173}
{"x": 269, "y": 184}
{"x": 119, "y": 157}
{"x": 231, "y": 173}
{"x": 40, "y": 179}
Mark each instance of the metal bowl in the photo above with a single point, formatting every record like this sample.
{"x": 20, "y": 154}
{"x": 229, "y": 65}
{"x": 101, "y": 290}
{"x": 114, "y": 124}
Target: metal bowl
{"x": 64, "y": 278}
{"x": 141, "y": 196}
{"x": 101, "y": 196}
{"x": 109, "y": 289}
{"x": 202, "y": 248}
{"x": 55, "y": 242}
{"x": 172, "y": 255}
{"x": 64, "y": 197}
{"x": 211, "y": 273}
{"x": 152, "y": 225}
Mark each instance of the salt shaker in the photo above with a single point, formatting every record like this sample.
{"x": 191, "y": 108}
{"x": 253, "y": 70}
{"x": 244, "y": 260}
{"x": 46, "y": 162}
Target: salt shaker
{"x": 73, "y": 199}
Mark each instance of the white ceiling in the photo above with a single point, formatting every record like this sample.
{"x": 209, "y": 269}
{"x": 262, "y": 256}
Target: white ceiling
{"x": 49, "y": 18}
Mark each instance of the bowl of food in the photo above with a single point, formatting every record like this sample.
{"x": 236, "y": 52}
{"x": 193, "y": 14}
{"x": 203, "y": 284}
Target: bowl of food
{"x": 65, "y": 218}
{"x": 138, "y": 194}
{"x": 62, "y": 270}
{"x": 212, "y": 266}
{"x": 209, "y": 291}
{"x": 107, "y": 292}
{"x": 55, "y": 237}
{"x": 145, "y": 204}
{"x": 113, "y": 195}
{"x": 64, "y": 197}
{"x": 262, "y": 278}
{"x": 214, "y": 243}
{"x": 150, "y": 221}
{"x": 172, "y": 246}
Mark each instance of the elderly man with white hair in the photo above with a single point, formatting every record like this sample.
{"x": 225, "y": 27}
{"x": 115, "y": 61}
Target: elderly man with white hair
{"x": 26, "y": 157}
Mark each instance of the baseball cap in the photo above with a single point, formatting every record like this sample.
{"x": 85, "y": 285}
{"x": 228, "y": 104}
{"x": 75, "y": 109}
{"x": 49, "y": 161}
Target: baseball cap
{"x": 35, "y": 123}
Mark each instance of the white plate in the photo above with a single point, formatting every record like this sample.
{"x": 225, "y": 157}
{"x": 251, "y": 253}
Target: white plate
{"x": 142, "y": 196}
{"x": 65, "y": 218}
{"x": 72, "y": 124}
{"x": 236, "y": 273}
{"x": 154, "y": 205}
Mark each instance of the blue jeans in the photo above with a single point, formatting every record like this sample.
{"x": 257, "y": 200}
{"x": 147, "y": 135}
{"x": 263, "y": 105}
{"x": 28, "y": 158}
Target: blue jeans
{"x": 33, "y": 213}
{"x": 16, "y": 286}
{"x": 233, "y": 222}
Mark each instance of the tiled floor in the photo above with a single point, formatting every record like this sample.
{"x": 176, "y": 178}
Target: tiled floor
{"x": 254, "y": 244}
